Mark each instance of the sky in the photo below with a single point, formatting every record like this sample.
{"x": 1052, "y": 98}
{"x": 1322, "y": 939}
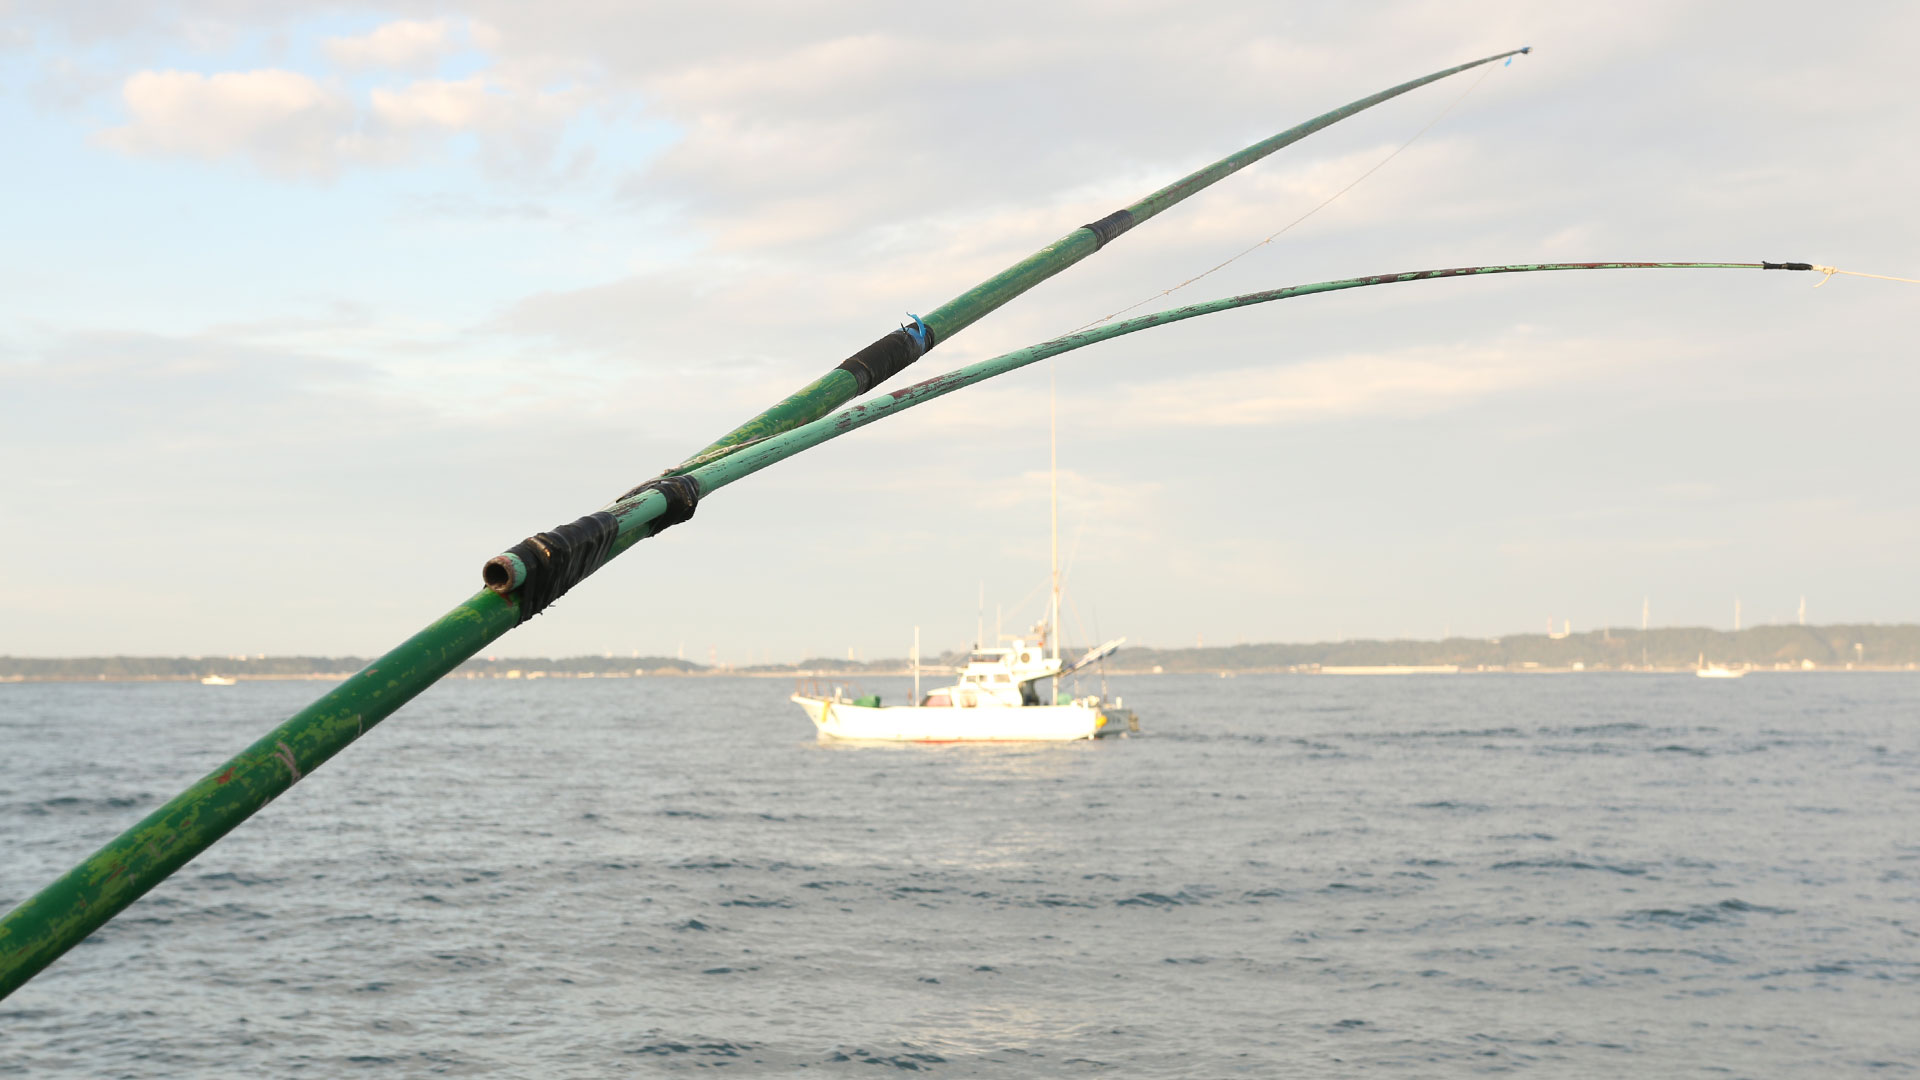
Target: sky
{"x": 307, "y": 309}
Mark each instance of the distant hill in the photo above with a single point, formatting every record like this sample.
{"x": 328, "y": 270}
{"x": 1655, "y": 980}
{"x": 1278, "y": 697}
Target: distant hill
{"x": 1824, "y": 647}
{"x": 185, "y": 668}
{"x": 1895, "y": 646}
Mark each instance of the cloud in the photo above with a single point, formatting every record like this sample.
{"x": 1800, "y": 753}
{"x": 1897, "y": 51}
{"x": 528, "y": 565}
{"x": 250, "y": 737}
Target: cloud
{"x": 520, "y": 126}
{"x": 285, "y": 122}
{"x": 1403, "y": 382}
{"x": 1406, "y": 382}
{"x": 463, "y": 105}
{"x": 405, "y": 45}
{"x": 836, "y": 167}
{"x": 292, "y": 126}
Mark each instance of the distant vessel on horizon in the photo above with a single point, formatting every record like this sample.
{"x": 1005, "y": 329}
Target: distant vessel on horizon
{"x": 996, "y": 699}
{"x": 217, "y": 680}
{"x": 1716, "y": 671}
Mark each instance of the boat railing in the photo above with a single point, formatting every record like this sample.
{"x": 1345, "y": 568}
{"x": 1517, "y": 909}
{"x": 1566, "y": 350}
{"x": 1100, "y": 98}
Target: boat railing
{"x": 841, "y": 690}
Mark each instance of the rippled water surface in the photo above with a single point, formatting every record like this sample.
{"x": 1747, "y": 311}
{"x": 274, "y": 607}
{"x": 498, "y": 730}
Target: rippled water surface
{"x": 1599, "y": 875}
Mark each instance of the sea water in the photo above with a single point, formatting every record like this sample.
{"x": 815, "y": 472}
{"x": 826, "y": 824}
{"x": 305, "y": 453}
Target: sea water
{"x": 1572, "y": 875}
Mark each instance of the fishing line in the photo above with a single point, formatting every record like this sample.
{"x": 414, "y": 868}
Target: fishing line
{"x": 1328, "y": 201}
{"x": 1829, "y": 271}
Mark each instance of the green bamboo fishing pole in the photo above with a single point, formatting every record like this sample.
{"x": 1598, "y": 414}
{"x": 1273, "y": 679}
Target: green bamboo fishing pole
{"x": 892, "y": 352}
{"x": 42, "y": 928}
{"x": 521, "y": 582}
{"x": 752, "y": 459}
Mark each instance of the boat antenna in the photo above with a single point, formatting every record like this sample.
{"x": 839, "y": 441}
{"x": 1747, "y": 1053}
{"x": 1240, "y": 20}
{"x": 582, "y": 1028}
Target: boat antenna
{"x": 1053, "y": 509}
{"x": 980, "y": 615}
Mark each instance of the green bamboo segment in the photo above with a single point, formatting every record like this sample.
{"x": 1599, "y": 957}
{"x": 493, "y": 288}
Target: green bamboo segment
{"x": 838, "y": 387}
{"x": 1173, "y": 193}
{"x": 55, "y": 919}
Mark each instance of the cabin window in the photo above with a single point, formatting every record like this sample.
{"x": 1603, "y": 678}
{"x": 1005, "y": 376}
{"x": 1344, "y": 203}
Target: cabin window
{"x": 1000, "y": 678}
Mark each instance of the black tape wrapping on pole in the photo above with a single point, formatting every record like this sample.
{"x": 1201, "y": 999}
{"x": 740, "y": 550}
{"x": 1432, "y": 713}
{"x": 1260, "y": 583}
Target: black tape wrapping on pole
{"x": 683, "y": 498}
{"x": 559, "y": 559}
{"x": 885, "y": 358}
{"x": 1110, "y": 226}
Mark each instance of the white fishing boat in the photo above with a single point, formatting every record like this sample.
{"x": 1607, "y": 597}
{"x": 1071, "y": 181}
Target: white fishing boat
{"x": 1716, "y": 671}
{"x": 998, "y": 697}
{"x": 217, "y": 680}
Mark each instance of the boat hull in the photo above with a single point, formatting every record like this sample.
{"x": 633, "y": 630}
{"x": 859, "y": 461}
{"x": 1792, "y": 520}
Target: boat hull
{"x": 914, "y": 723}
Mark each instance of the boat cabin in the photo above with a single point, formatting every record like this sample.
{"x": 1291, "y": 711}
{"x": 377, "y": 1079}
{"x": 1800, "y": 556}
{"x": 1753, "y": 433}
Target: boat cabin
{"x": 997, "y": 678}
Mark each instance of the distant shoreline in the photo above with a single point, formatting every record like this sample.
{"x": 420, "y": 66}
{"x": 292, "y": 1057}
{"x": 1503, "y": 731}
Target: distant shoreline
{"x": 1770, "y": 649}
{"x": 536, "y": 674}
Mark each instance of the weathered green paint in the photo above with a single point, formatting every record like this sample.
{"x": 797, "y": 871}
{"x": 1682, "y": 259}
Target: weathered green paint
{"x": 1173, "y": 193}
{"x": 37, "y": 932}
{"x": 810, "y": 402}
{"x": 836, "y": 388}
{"x": 983, "y": 299}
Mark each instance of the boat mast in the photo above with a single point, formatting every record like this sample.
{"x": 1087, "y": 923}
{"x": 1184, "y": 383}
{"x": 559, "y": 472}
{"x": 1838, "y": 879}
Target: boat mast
{"x": 1053, "y": 507}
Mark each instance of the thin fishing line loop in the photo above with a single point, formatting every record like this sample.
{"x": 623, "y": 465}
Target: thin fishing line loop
{"x": 1328, "y": 201}
{"x": 1827, "y": 273}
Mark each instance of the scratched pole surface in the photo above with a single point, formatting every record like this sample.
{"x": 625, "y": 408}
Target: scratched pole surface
{"x": 37, "y": 932}
{"x": 52, "y": 921}
{"x": 837, "y": 387}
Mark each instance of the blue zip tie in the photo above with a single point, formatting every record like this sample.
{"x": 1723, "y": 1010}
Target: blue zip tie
{"x": 918, "y": 331}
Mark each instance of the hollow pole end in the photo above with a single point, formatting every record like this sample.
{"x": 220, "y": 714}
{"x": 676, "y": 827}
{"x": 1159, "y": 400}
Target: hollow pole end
{"x": 504, "y": 573}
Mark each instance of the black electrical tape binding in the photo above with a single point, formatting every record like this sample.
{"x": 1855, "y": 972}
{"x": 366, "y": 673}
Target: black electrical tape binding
{"x": 1111, "y": 226}
{"x": 683, "y": 498}
{"x": 883, "y": 359}
{"x": 1764, "y": 265}
{"x": 556, "y": 561}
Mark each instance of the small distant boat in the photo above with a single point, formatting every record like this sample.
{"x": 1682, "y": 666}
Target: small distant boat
{"x": 994, "y": 701}
{"x": 217, "y": 680}
{"x": 1716, "y": 671}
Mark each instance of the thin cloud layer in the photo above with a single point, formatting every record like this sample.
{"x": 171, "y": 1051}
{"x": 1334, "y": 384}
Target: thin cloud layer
{"x": 283, "y": 121}
{"x": 435, "y": 248}
{"x": 312, "y": 126}
{"x": 412, "y": 45}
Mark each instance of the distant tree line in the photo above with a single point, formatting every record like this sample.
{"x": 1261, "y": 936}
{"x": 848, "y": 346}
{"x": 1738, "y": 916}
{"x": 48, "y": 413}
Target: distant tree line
{"x": 139, "y": 668}
{"x": 1826, "y": 647}
{"x": 1608, "y": 649}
